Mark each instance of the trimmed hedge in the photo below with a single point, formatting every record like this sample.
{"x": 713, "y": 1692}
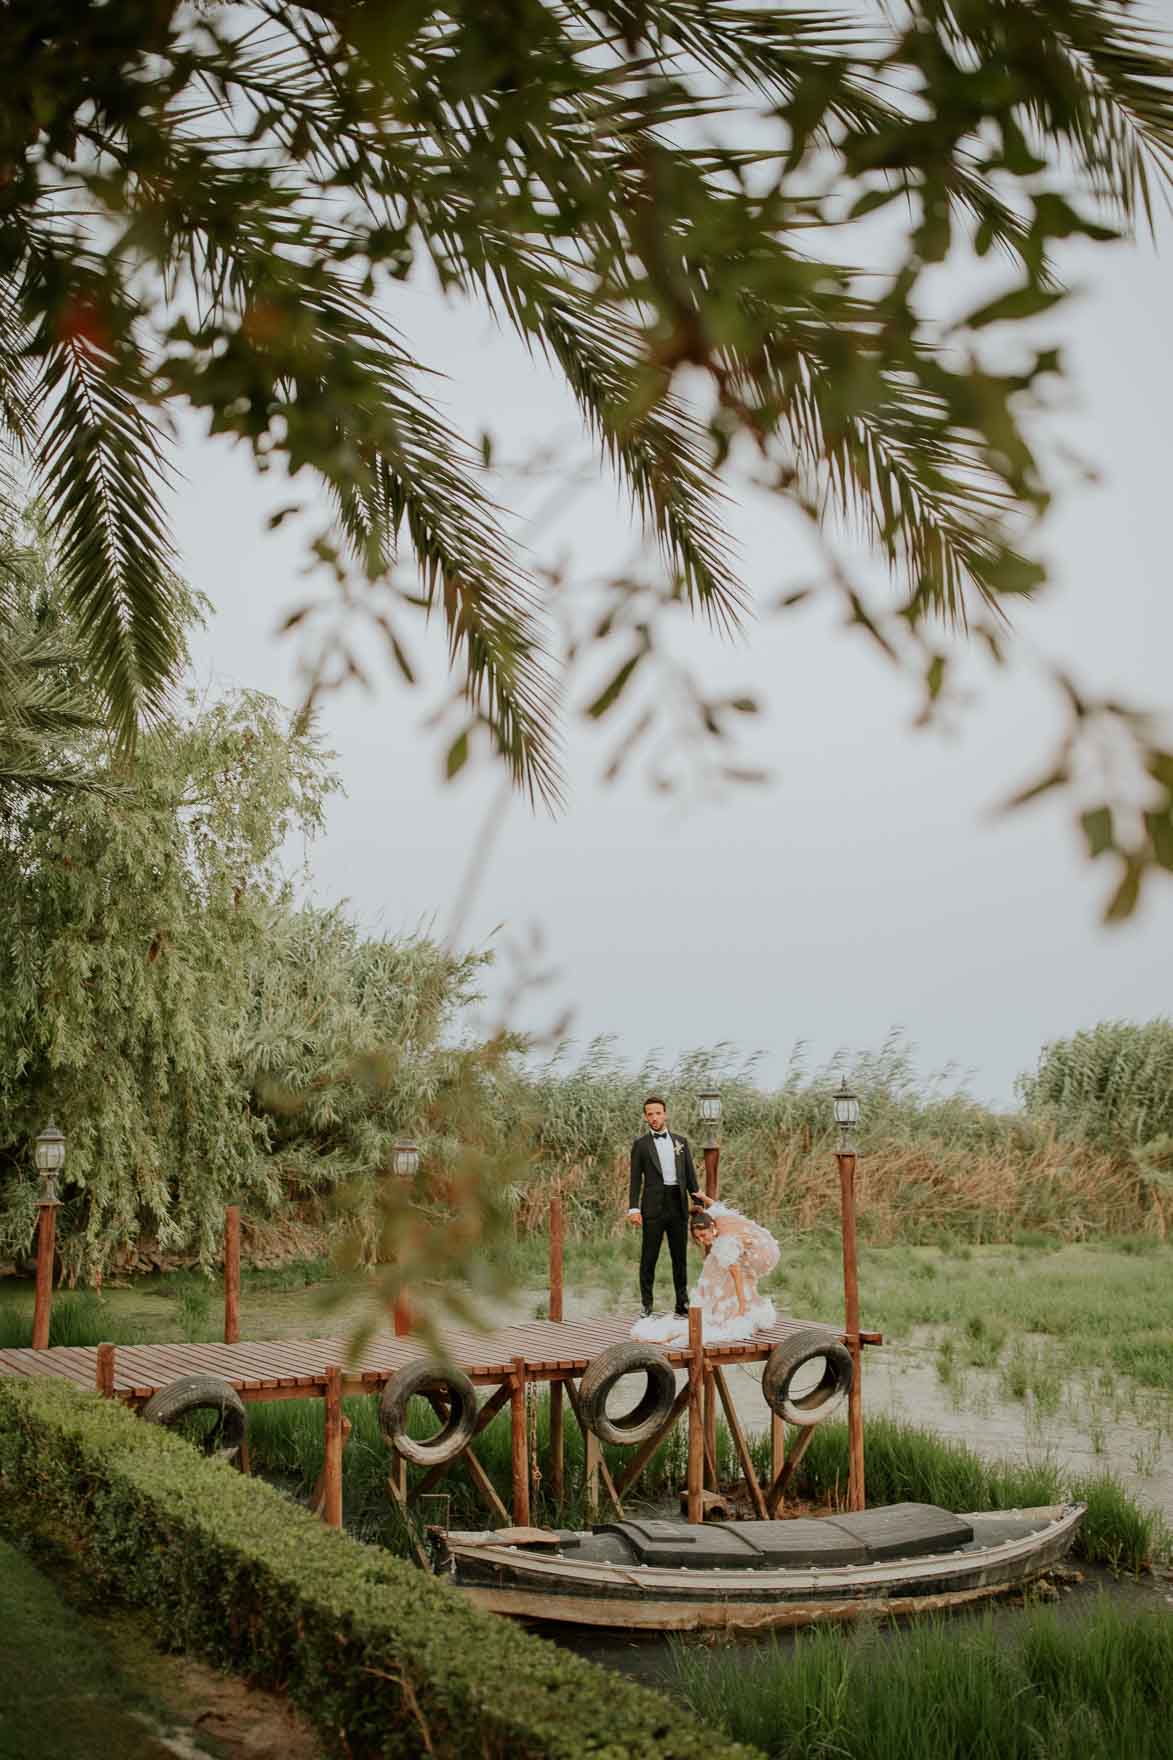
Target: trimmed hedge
{"x": 384, "y": 1659}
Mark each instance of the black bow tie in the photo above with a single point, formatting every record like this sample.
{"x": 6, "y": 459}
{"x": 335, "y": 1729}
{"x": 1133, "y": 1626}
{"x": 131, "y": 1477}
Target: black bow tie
{"x": 659, "y": 1134}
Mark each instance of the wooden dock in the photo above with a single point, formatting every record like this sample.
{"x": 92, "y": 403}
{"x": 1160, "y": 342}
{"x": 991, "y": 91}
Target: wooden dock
{"x": 551, "y": 1350}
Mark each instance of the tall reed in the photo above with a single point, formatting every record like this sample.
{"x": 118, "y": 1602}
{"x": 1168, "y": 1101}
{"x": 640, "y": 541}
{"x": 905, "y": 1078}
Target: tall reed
{"x": 1097, "y": 1691}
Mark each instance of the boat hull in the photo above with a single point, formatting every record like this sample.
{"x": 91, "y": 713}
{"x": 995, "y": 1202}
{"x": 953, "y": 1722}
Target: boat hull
{"x": 528, "y": 1586}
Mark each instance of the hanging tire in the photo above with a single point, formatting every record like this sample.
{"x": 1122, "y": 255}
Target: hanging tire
{"x": 783, "y": 1364}
{"x": 226, "y": 1421}
{"x": 453, "y": 1387}
{"x": 602, "y": 1376}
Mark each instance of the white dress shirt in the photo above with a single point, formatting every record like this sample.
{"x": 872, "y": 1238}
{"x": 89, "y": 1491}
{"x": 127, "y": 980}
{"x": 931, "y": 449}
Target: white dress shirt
{"x": 666, "y": 1150}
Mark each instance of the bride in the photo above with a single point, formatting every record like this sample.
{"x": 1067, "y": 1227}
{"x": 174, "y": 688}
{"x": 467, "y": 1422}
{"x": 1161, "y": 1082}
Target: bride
{"x": 737, "y": 1253}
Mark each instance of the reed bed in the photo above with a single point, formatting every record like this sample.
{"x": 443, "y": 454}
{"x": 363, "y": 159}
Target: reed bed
{"x": 933, "y": 1161}
{"x": 903, "y": 1464}
{"x": 1099, "y": 1690}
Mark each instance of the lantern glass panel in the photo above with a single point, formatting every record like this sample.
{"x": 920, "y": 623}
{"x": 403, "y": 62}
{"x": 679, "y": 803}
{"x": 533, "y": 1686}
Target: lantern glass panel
{"x": 405, "y": 1160}
{"x": 846, "y": 1106}
{"x": 710, "y": 1103}
{"x": 49, "y": 1150}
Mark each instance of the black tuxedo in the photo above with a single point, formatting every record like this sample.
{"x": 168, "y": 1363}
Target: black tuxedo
{"x": 664, "y": 1210}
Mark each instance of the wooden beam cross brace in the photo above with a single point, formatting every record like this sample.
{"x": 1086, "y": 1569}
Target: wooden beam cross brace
{"x": 777, "y": 1490}
{"x": 742, "y": 1446}
{"x": 587, "y": 1434}
{"x": 646, "y": 1450}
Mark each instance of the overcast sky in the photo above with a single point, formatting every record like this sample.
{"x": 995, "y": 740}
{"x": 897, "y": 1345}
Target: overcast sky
{"x": 869, "y": 885}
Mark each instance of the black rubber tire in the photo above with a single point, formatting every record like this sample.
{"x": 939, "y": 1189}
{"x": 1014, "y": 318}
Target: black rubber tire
{"x": 454, "y": 1388}
{"x": 627, "y": 1358}
{"x": 786, "y": 1359}
{"x": 194, "y": 1393}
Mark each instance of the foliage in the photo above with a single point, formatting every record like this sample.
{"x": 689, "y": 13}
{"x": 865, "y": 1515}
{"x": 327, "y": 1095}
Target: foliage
{"x": 203, "y": 1039}
{"x": 212, "y": 206}
{"x": 382, "y": 1658}
{"x": 1072, "y": 1692}
{"x": 1111, "y": 1085}
{"x": 43, "y": 712}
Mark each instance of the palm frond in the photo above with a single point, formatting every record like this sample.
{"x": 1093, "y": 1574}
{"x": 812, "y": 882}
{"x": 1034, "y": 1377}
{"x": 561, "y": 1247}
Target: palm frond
{"x": 101, "y": 471}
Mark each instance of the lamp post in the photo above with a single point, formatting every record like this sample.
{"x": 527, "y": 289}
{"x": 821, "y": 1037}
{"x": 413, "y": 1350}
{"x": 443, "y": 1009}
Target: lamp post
{"x": 405, "y": 1163}
{"x": 709, "y": 1108}
{"x": 846, "y": 1110}
{"x": 49, "y": 1159}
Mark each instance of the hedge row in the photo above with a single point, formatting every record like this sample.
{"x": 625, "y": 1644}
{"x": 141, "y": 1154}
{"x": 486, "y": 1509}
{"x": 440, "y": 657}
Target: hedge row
{"x": 382, "y": 1658}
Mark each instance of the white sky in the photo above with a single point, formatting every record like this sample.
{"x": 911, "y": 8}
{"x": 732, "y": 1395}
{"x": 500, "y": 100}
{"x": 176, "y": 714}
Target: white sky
{"x": 869, "y": 885}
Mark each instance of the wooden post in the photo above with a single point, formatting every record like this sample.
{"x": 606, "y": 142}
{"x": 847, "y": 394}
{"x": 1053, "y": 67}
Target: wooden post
{"x": 777, "y": 1446}
{"x": 594, "y": 1460}
{"x": 696, "y": 1433}
{"x": 557, "y": 1424}
{"x": 710, "y": 1394}
{"x": 104, "y": 1371}
{"x": 556, "y": 1243}
{"x": 520, "y": 1445}
{"x": 332, "y": 1465}
{"x": 712, "y": 1170}
{"x": 856, "y": 1498}
{"x": 318, "y": 1495}
{"x": 43, "y": 1297}
{"x": 402, "y": 1315}
{"x": 232, "y": 1274}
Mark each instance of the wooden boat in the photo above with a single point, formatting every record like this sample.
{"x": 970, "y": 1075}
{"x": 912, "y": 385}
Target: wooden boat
{"x": 746, "y": 1576}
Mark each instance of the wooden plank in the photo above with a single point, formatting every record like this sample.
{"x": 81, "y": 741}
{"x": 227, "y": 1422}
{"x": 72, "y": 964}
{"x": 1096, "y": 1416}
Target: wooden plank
{"x": 740, "y": 1443}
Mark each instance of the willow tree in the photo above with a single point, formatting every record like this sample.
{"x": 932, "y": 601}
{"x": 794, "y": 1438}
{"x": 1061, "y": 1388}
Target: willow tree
{"x": 212, "y": 205}
{"x": 202, "y": 1037}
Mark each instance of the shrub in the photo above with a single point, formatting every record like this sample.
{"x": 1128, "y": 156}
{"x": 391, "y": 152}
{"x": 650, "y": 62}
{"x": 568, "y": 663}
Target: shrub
{"x": 384, "y": 1659}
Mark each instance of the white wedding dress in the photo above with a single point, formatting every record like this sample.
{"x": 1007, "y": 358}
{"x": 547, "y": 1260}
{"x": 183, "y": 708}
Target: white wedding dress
{"x": 739, "y": 1242}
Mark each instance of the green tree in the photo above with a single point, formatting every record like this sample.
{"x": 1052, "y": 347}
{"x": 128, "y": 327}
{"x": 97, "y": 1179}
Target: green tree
{"x": 202, "y": 1037}
{"x": 211, "y": 205}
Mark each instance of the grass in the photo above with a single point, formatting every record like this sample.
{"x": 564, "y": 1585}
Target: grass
{"x": 1097, "y": 1691}
{"x": 78, "y": 1317}
{"x": 63, "y": 1694}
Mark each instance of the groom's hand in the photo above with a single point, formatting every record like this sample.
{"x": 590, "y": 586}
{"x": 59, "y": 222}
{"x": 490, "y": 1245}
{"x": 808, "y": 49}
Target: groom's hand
{"x": 634, "y": 1217}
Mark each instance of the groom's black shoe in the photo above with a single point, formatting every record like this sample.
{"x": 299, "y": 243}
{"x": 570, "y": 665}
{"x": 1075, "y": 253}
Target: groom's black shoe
{"x": 645, "y": 1313}
{"x": 682, "y": 1313}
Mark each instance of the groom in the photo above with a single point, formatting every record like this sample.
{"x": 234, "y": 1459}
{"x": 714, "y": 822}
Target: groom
{"x": 662, "y": 1177}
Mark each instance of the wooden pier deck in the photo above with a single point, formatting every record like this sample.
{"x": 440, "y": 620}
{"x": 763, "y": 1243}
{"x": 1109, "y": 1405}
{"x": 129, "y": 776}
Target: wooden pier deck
{"x": 552, "y": 1350}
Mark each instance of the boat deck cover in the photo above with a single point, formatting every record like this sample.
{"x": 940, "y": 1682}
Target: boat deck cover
{"x": 901, "y": 1530}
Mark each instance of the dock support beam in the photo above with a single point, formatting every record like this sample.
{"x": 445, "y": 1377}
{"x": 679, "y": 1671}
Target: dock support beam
{"x": 43, "y": 1296}
{"x": 332, "y": 1465}
{"x": 856, "y": 1498}
{"x": 520, "y": 1445}
{"x": 104, "y": 1371}
{"x": 232, "y": 1274}
{"x": 696, "y": 1428}
{"x": 557, "y": 1425}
